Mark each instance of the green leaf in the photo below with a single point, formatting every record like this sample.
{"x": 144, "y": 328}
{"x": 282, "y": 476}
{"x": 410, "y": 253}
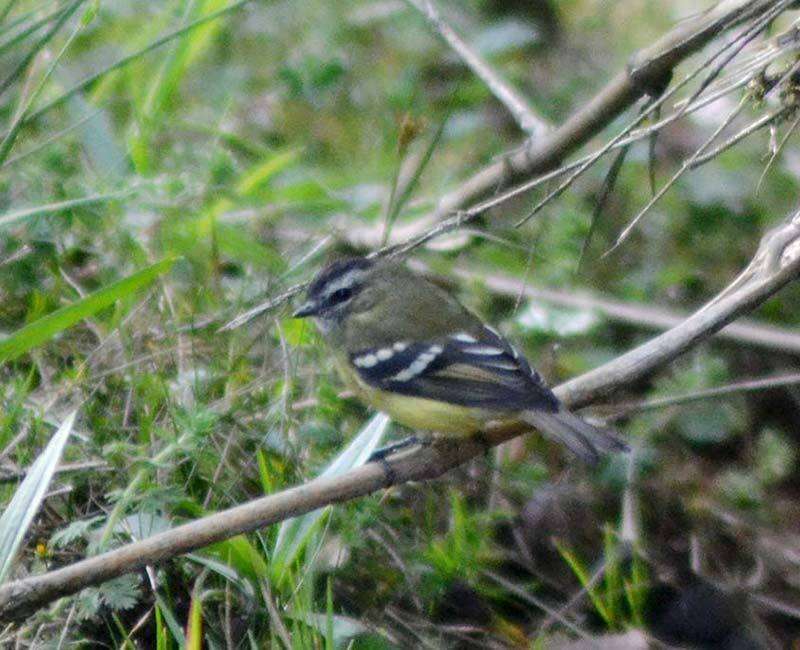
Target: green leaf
{"x": 336, "y": 629}
{"x": 294, "y": 533}
{"x": 585, "y": 579}
{"x": 76, "y": 530}
{"x": 194, "y": 627}
{"x": 120, "y": 593}
{"x": 60, "y": 206}
{"x": 238, "y": 553}
{"x": 259, "y": 175}
{"x": 29, "y": 495}
{"x": 47, "y": 327}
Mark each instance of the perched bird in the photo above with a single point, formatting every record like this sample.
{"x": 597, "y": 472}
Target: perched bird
{"x": 411, "y": 350}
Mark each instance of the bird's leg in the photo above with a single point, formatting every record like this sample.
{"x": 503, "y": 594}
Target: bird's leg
{"x": 388, "y": 450}
{"x": 389, "y": 473}
{"x": 482, "y": 439}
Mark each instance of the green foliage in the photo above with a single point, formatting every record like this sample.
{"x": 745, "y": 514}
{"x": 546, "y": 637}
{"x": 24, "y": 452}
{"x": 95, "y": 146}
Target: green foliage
{"x": 118, "y": 595}
{"x": 464, "y": 549}
{"x": 46, "y": 327}
{"x": 28, "y": 497}
{"x": 254, "y": 141}
{"x": 619, "y": 595}
{"x": 294, "y": 535}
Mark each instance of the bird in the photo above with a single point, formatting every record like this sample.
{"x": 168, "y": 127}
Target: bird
{"x": 408, "y": 348}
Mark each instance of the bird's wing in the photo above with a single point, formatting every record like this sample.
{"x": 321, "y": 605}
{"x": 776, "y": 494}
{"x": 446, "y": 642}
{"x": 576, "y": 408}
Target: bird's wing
{"x": 465, "y": 368}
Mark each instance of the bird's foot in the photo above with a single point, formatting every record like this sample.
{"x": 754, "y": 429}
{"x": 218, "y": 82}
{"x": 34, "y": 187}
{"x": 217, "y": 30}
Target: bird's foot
{"x": 389, "y": 450}
{"x": 482, "y": 439}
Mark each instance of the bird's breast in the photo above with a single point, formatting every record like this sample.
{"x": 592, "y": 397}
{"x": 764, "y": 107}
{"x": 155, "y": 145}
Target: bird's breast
{"x": 418, "y": 413}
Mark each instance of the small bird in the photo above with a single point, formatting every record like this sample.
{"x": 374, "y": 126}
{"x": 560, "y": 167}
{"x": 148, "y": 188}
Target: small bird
{"x": 408, "y": 348}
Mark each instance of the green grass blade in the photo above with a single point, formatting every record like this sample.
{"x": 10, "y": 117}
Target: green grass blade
{"x": 41, "y": 43}
{"x": 294, "y": 533}
{"x": 29, "y": 495}
{"x": 170, "y": 623}
{"x": 60, "y": 206}
{"x": 167, "y": 80}
{"x": 398, "y": 202}
{"x": 194, "y": 627}
{"x": 25, "y": 103}
{"x": 613, "y": 574}
{"x": 44, "y": 144}
{"x": 330, "y": 644}
{"x": 260, "y": 174}
{"x": 120, "y": 63}
{"x": 47, "y": 327}
{"x": 28, "y": 30}
{"x": 586, "y": 582}
{"x": 6, "y": 10}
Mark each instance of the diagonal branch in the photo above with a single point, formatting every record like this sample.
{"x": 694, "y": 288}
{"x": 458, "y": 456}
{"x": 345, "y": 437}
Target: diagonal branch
{"x": 748, "y": 386}
{"x": 517, "y": 105}
{"x": 24, "y": 596}
{"x": 649, "y": 317}
{"x": 649, "y": 71}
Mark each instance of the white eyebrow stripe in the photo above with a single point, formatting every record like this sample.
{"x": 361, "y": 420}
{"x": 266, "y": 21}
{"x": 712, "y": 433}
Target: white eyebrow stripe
{"x": 419, "y": 365}
{"x": 344, "y": 282}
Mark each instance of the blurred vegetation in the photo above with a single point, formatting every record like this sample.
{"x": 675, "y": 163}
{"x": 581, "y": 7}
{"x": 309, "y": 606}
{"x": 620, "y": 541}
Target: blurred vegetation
{"x": 141, "y": 211}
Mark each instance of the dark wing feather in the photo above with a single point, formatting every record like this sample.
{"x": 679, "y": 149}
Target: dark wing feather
{"x": 480, "y": 370}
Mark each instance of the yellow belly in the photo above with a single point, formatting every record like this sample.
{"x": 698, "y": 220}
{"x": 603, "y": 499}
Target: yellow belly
{"x": 428, "y": 415}
{"x": 417, "y": 412}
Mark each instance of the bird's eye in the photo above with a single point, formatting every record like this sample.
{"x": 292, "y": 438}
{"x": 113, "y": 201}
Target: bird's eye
{"x": 340, "y": 295}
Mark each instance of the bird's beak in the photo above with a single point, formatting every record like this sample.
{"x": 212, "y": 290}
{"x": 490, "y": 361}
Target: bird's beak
{"x": 308, "y": 308}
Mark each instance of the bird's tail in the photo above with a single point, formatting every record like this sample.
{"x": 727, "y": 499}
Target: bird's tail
{"x": 585, "y": 440}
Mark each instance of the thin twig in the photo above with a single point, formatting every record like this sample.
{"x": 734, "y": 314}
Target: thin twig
{"x": 773, "y": 157}
{"x": 649, "y": 317}
{"x": 651, "y": 109}
{"x": 747, "y": 131}
{"x": 751, "y": 386}
{"x": 619, "y": 94}
{"x": 522, "y": 112}
{"x": 11, "y": 476}
{"x": 677, "y": 175}
{"x": 537, "y": 602}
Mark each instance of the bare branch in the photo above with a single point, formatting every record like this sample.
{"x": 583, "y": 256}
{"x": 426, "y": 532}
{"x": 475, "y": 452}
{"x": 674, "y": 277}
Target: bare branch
{"x": 650, "y": 69}
{"x": 13, "y": 475}
{"x": 744, "y": 331}
{"x": 676, "y": 176}
{"x": 652, "y": 66}
{"x": 750, "y": 386}
{"x": 760, "y": 123}
{"x": 641, "y": 361}
{"x": 21, "y": 597}
{"x": 522, "y": 112}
